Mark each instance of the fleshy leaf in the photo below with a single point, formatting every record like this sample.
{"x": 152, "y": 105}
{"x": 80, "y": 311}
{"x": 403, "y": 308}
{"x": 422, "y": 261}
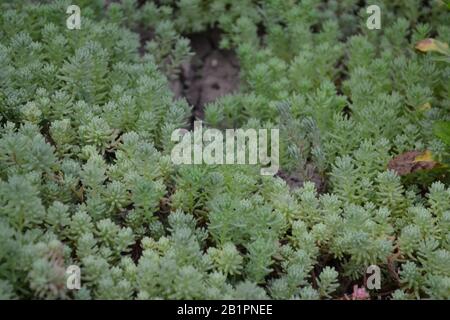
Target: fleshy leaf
{"x": 441, "y": 129}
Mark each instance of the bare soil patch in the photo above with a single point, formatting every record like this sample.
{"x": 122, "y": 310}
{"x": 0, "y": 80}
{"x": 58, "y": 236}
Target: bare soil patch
{"x": 211, "y": 73}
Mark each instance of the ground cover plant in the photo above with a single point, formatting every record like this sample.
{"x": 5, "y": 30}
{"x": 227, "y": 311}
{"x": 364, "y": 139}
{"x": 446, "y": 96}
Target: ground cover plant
{"x": 86, "y": 177}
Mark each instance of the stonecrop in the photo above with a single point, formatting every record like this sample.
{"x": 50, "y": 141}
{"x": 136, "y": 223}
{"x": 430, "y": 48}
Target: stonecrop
{"x": 86, "y": 177}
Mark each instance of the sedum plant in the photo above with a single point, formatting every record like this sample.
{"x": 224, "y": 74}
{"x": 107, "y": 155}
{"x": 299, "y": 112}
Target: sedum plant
{"x": 86, "y": 177}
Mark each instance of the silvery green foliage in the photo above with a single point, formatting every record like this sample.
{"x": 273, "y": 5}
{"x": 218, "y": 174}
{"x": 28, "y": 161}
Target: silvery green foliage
{"x": 86, "y": 177}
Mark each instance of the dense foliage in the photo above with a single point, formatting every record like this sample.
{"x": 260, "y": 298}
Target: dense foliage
{"x": 86, "y": 177}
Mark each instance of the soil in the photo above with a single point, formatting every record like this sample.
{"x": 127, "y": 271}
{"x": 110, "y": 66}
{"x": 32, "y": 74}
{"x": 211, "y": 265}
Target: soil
{"x": 294, "y": 179}
{"x": 211, "y": 73}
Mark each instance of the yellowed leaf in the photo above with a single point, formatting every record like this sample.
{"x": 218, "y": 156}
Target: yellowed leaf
{"x": 425, "y": 106}
{"x": 424, "y": 157}
{"x": 429, "y": 45}
{"x": 411, "y": 161}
